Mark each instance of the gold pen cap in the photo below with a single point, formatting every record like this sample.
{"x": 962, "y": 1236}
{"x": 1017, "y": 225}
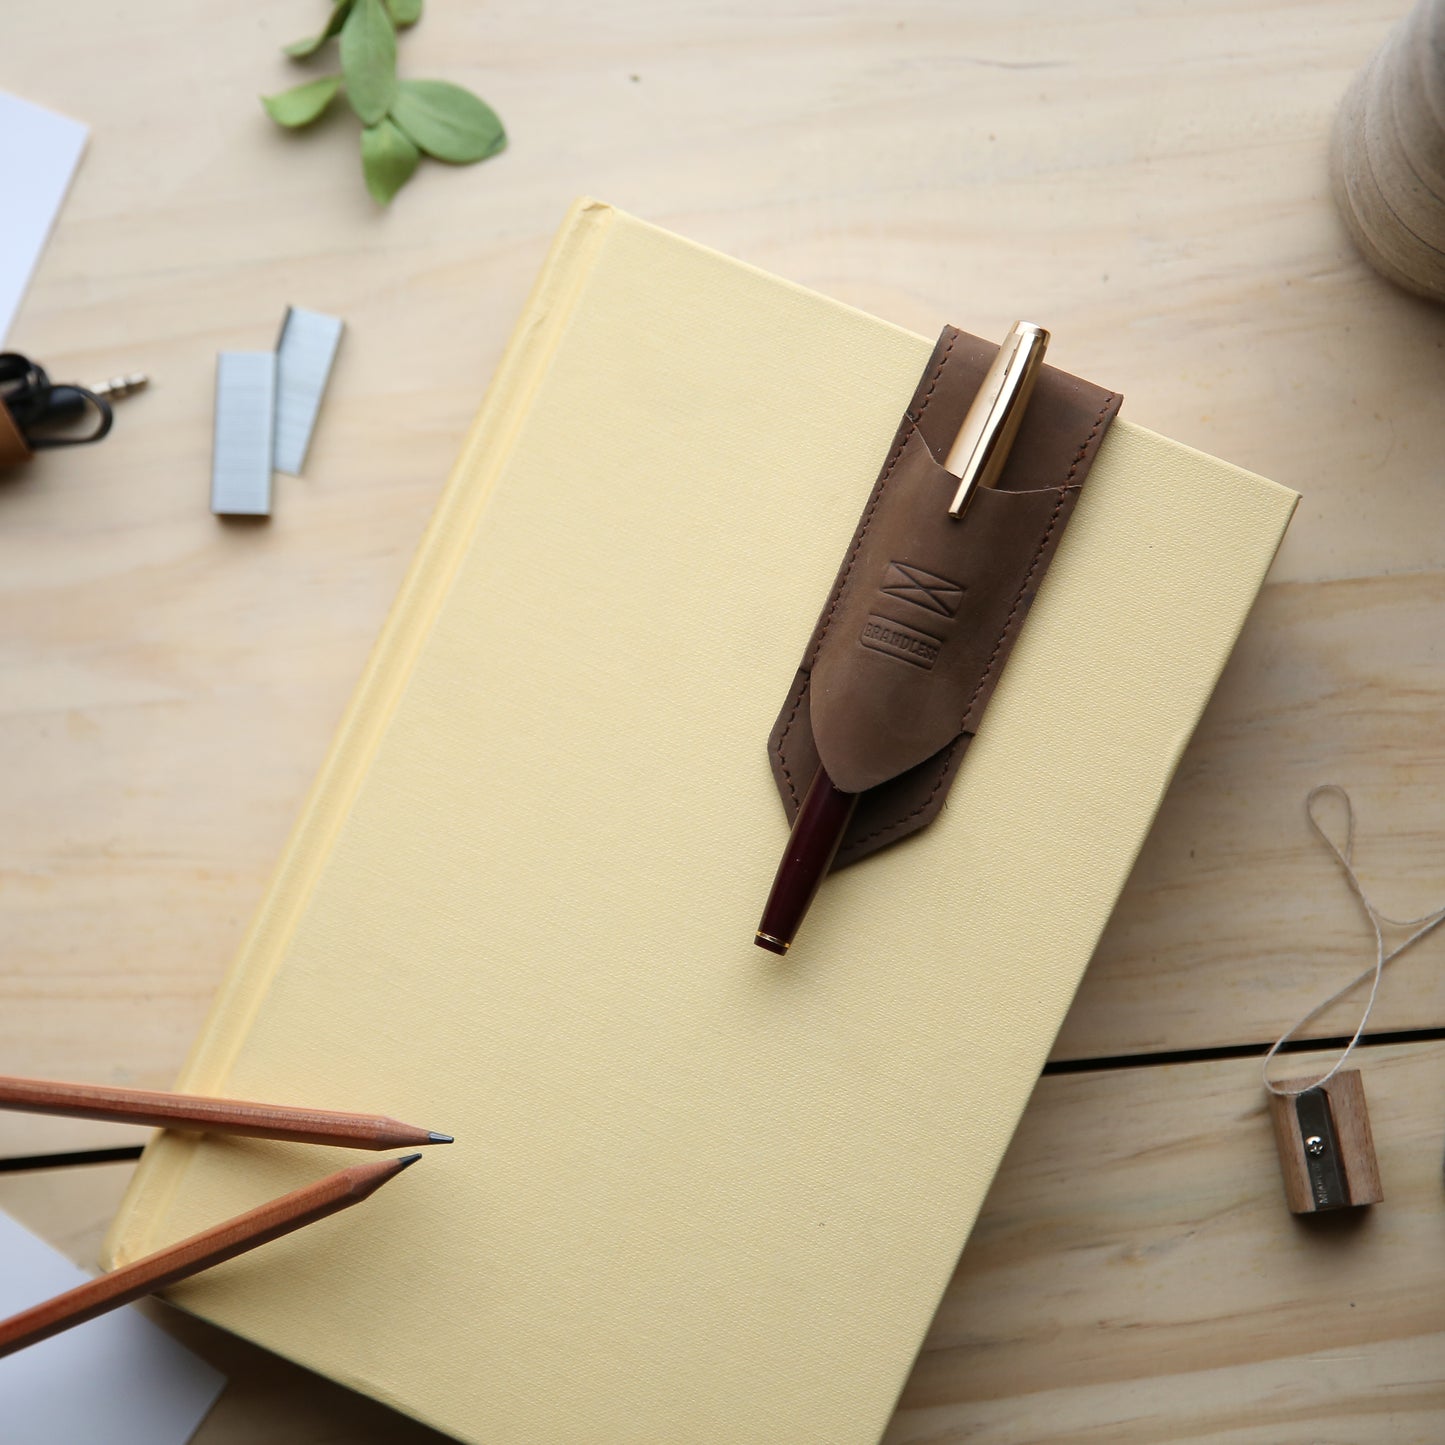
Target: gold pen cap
{"x": 982, "y": 446}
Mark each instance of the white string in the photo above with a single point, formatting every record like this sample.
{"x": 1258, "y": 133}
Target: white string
{"x": 1378, "y": 921}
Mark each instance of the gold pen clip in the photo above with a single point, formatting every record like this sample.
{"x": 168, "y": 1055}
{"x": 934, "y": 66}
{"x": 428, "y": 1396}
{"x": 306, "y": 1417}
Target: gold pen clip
{"x": 981, "y": 448}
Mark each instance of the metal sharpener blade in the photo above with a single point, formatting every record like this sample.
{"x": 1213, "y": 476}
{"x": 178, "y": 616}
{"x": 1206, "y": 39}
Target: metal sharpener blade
{"x": 1327, "y": 1179}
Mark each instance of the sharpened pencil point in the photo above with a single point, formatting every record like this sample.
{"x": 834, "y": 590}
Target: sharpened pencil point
{"x": 407, "y": 1160}
{"x": 435, "y": 1138}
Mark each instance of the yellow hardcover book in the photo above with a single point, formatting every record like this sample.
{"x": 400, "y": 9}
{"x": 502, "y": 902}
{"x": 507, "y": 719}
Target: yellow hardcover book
{"x": 700, "y": 1195}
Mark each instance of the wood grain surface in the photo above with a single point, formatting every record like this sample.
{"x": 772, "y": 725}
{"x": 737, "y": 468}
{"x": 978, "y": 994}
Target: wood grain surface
{"x": 1150, "y": 181}
{"x": 1136, "y": 1278}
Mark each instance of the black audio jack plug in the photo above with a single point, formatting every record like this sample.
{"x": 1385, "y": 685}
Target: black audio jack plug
{"x": 54, "y": 414}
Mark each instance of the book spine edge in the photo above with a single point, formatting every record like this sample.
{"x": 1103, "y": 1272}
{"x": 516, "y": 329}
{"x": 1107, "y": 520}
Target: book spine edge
{"x": 327, "y": 803}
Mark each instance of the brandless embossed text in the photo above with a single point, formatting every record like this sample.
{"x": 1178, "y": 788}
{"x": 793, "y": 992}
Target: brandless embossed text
{"x": 905, "y": 643}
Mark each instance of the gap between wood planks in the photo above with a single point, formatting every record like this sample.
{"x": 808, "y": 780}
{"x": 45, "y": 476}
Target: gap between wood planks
{"x": 1240, "y": 1051}
{"x": 131, "y": 1152}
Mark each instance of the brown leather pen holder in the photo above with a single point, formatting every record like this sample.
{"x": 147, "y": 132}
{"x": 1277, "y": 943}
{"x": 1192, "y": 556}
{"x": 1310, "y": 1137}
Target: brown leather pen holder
{"x": 926, "y": 608}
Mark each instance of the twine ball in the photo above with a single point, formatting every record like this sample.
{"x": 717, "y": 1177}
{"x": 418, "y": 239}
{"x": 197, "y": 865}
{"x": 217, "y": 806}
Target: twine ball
{"x": 1387, "y": 158}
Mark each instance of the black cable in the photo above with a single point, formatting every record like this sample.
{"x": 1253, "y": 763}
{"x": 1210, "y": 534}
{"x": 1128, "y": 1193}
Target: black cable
{"x": 45, "y": 410}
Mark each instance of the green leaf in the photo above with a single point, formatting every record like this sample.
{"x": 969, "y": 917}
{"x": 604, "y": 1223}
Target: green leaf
{"x": 300, "y": 49}
{"x": 303, "y": 103}
{"x": 446, "y": 121}
{"x": 388, "y": 159}
{"x": 368, "y": 60}
{"x": 404, "y": 12}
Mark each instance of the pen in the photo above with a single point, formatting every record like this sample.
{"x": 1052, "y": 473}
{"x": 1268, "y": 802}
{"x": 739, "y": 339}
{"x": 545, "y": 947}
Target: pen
{"x": 977, "y": 459}
{"x": 986, "y": 437}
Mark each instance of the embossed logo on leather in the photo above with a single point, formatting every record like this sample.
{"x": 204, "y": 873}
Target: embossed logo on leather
{"x": 923, "y": 589}
{"x": 904, "y": 643}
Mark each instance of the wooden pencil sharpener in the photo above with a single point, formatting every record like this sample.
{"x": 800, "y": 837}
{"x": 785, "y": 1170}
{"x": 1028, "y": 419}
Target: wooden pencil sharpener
{"x": 1326, "y": 1152}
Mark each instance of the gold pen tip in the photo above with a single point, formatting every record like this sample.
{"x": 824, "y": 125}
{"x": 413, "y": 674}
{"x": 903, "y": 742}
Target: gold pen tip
{"x": 766, "y": 940}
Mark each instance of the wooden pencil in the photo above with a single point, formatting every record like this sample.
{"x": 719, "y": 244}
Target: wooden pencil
{"x": 212, "y": 1116}
{"x": 213, "y": 1246}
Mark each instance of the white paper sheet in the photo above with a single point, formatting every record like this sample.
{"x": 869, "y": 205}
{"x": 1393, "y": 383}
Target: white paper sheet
{"x": 117, "y": 1379}
{"x": 39, "y": 151}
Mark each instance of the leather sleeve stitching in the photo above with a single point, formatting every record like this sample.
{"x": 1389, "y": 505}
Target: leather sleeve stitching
{"x": 783, "y": 737}
{"x": 842, "y": 586}
{"x": 946, "y": 756}
{"x": 1064, "y": 491}
{"x": 1069, "y": 485}
{"x": 853, "y": 557}
{"x": 944, "y": 759}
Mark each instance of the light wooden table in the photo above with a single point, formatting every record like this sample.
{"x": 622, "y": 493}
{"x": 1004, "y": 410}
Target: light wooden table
{"x": 1150, "y": 180}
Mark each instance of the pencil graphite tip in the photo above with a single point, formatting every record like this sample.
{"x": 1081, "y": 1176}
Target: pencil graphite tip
{"x": 407, "y": 1160}
{"x": 435, "y": 1138}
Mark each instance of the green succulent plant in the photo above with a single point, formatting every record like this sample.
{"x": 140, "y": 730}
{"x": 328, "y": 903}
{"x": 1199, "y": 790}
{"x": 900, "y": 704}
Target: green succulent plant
{"x": 402, "y": 120}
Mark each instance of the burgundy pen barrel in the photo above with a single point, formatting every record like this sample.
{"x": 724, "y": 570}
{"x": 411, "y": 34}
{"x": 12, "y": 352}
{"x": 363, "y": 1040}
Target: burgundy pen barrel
{"x": 817, "y": 831}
